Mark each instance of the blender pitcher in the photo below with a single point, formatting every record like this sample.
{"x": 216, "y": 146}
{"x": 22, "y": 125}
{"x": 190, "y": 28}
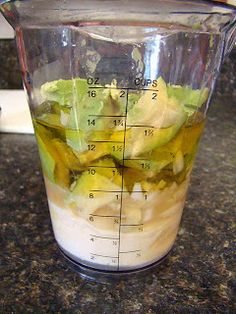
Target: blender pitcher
{"x": 118, "y": 92}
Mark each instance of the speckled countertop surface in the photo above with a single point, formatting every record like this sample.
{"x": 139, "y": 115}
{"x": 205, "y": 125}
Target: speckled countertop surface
{"x": 198, "y": 275}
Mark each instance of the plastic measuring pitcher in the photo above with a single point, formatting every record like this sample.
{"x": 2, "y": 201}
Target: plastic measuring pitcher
{"x": 118, "y": 92}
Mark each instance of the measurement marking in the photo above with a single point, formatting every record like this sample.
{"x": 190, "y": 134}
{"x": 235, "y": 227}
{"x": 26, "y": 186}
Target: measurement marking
{"x": 101, "y": 237}
{"x": 104, "y": 167}
{"x": 109, "y": 191}
{"x": 136, "y": 159}
{"x": 140, "y": 126}
{"x": 134, "y": 251}
{"x": 105, "y": 87}
{"x": 113, "y": 191}
{"x": 105, "y": 216}
{"x": 122, "y": 181}
{"x": 104, "y": 255}
{"x": 105, "y": 116}
{"x": 135, "y": 191}
{"x": 124, "y": 88}
{"x": 105, "y": 141}
{"x": 131, "y": 225}
{"x": 144, "y": 89}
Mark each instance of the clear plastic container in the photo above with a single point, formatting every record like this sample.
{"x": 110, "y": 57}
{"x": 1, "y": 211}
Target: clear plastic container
{"x": 118, "y": 93}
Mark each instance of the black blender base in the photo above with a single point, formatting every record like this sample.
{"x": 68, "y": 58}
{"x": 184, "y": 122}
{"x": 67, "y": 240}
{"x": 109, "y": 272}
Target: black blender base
{"x": 109, "y": 277}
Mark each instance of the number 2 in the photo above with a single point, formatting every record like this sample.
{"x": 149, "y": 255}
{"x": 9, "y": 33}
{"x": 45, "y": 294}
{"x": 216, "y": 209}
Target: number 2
{"x": 92, "y": 147}
{"x": 122, "y": 94}
{"x": 154, "y": 96}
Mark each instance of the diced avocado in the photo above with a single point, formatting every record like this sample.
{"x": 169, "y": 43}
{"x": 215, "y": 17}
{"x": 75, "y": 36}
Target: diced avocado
{"x": 93, "y": 152}
{"x": 152, "y": 187}
{"x": 48, "y": 162}
{"x": 85, "y": 110}
{"x": 143, "y": 140}
{"x": 52, "y": 165}
{"x": 153, "y": 121}
{"x": 178, "y": 163}
{"x": 116, "y": 100}
{"x": 156, "y": 109}
{"x": 169, "y": 150}
{"x": 87, "y": 106}
{"x": 98, "y": 113}
{"x": 76, "y": 140}
{"x": 43, "y": 108}
{"x": 50, "y": 120}
{"x": 107, "y": 168}
{"x": 161, "y": 185}
{"x": 62, "y": 175}
{"x": 104, "y": 163}
{"x": 92, "y": 192}
{"x": 190, "y": 99}
{"x": 57, "y": 109}
{"x": 97, "y": 145}
{"x": 76, "y": 95}
{"x": 66, "y": 155}
{"x": 52, "y": 162}
{"x": 49, "y": 107}
{"x": 65, "y": 92}
{"x": 133, "y": 98}
{"x": 43, "y": 137}
{"x": 87, "y": 183}
{"x": 150, "y": 167}
{"x": 116, "y": 148}
{"x": 132, "y": 176}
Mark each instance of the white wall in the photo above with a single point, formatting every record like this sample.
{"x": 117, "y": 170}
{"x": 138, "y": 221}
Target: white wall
{"x": 6, "y": 31}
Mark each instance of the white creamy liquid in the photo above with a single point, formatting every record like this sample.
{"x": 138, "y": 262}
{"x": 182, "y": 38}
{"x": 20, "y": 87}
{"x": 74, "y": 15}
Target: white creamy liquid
{"x": 96, "y": 246}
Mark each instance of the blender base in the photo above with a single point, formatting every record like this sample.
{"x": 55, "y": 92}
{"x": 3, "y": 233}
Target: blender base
{"x": 109, "y": 277}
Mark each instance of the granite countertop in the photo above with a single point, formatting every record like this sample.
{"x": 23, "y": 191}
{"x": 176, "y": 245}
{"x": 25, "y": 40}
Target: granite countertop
{"x": 197, "y": 277}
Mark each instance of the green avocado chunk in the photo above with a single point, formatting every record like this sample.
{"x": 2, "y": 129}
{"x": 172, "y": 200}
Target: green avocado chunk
{"x": 51, "y": 120}
{"x": 149, "y": 167}
{"x": 190, "y": 99}
{"x": 109, "y": 169}
{"x": 87, "y": 106}
{"x": 143, "y": 140}
{"x": 52, "y": 156}
{"x": 76, "y": 140}
{"x": 91, "y": 192}
{"x": 64, "y": 92}
{"x": 153, "y": 121}
{"x": 47, "y": 160}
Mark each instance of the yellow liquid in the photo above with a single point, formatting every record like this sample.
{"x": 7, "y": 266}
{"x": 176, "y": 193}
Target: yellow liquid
{"x": 155, "y": 169}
